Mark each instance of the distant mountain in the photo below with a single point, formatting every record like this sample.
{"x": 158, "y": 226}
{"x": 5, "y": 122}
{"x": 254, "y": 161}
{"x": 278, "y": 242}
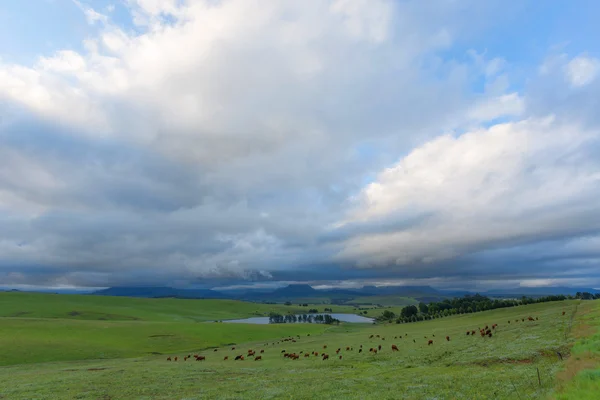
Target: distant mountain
{"x": 155, "y": 292}
{"x": 538, "y": 291}
{"x": 299, "y": 291}
{"x": 407, "y": 291}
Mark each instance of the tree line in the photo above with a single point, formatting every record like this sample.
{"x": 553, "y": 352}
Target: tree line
{"x": 466, "y": 305}
{"x": 275, "y": 318}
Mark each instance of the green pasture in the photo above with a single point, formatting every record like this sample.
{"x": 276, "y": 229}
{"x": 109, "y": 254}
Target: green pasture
{"x": 54, "y": 358}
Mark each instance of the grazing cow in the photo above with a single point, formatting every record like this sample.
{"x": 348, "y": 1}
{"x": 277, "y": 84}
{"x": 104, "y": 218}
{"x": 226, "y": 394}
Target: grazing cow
{"x": 509, "y": 321}
{"x": 430, "y": 342}
{"x": 529, "y": 319}
{"x": 262, "y": 351}
{"x": 536, "y": 318}
{"x": 200, "y": 358}
{"x": 360, "y": 350}
{"x": 257, "y": 358}
{"x": 433, "y": 335}
{"x": 414, "y": 341}
{"x": 215, "y": 350}
{"x": 448, "y": 338}
{"x": 379, "y": 347}
{"x": 283, "y": 351}
{"x": 239, "y": 358}
{"x": 225, "y": 358}
{"x": 468, "y": 333}
{"x": 340, "y": 357}
{"x": 472, "y": 333}
{"x": 563, "y": 313}
{"x": 347, "y": 348}
{"x": 490, "y": 334}
{"x": 394, "y": 347}
{"x": 325, "y": 356}
{"x": 325, "y": 346}
{"x": 374, "y": 351}
{"x": 306, "y": 355}
{"x": 382, "y": 338}
{"x": 371, "y": 337}
{"x": 337, "y": 351}
{"x": 361, "y": 346}
{"x": 233, "y": 348}
{"x": 175, "y": 359}
{"x": 377, "y": 335}
{"x": 168, "y": 358}
{"x": 371, "y": 349}
{"x": 184, "y": 358}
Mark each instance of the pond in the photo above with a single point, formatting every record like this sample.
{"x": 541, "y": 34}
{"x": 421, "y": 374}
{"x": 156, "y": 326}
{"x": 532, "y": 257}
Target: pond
{"x": 342, "y": 317}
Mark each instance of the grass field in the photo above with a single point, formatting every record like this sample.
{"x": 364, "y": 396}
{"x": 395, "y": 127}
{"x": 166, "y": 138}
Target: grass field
{"x": 91, "y": 359}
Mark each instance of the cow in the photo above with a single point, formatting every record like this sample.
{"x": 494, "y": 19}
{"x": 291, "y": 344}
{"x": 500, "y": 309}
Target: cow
{"x": 360, "y": 350}
{"x": 347, "y": 348}
{"x": 239, "y": 358}
{"x": 379, "y": 347}
{"x": 472, "y": 333}
{"x": 225, "y": 358}
{"x": 168, "y": 358}
{"x": 175, "y": 359}
{"x": 283, "y": 351}
{"x": 468, "y": 333}
{"x": 306, "y": 355}
{"x": 414, "y": 341}
{"x": 490, "y": 334}
{"x": 324, "y": 346}
{"x": 371, "y": 337}
{"x": 337, "y": 351}
{"x": 394, "y": 347}
{"x": 563, "y": 313}
{"x": 529, "y": 318}
{"x": 200, "y": 358}
{"x": 374, "y": 351}
{"x": 340, "y": 357}
{"x": 509, "y": 321}
{"x": 233, "y": 348}
{"x": 325, "y": 357}
{"x": 448, "y": 338}
{"x": 430, "y": 342}
{"x": 184, "y": 358}
{"x": 262, "y": 351}
{"x": 257, "y": 358}
{"x": 382, "y": 338}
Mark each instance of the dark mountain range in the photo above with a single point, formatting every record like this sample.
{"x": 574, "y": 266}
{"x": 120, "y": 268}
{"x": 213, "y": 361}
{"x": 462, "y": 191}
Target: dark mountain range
{"x": 156, "y": 292}
{"x": 300, "y": 292}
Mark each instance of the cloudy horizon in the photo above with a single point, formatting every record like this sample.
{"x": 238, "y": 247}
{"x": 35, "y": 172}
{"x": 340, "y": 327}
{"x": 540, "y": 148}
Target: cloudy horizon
{"x": 227, "y": 143}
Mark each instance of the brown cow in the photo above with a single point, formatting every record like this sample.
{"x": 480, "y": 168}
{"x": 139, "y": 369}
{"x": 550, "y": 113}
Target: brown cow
{"x": 200, "y": 358}
{"x": 340, "y": 357}
{"x": 430, "y": 342}
{"x": 448, "y": 338}
{"x": 175, "y": 359}
{"x": 394, "y": 347}
{"x": 262, "y": 351}
{"x": 374, "y": 351}
{"x": 325, "y": 346}
{"x": 168, "y": 358}
{"x": 338, "y": 351}
{"x": 472, "y": 333}
{"x": 225, "y": 358}
{"x": 468, "y": 333}
{"x": 239, "y": 358}
{"x": 490, "y": 334}
{"x": 347, "y": 348}
{"x": 563, "y": 313}
{"x": 325, "y": 356}
{"x": 257, "y": 358}
{"x": 306, "y": 355}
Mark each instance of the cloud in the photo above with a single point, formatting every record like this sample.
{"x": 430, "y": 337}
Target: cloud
{"x": 511, "y": 183}
{"x": 242, "y": 140}
{"x": 582, "y": 70}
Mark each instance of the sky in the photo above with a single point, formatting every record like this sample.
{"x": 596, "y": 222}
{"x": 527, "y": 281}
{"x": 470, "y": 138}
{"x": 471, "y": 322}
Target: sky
{"x": 246, "y": 143}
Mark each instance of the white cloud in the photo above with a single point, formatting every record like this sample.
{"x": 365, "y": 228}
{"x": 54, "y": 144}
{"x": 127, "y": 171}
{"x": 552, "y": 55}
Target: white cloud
{"x": 511, "y": 182}
{"x": 582, "y": 70}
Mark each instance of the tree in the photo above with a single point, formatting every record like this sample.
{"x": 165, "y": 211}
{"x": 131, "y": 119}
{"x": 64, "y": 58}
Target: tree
{"x": 409, "y": 311}
{"x": 288, "y": 303}
{"x": 423, "y": 308}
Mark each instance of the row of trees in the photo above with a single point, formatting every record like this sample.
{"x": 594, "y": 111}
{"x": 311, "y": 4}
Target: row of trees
{"x": 459, "y": 305}
{"x": 275, "y": 318}
{"x": 587, "y": 296}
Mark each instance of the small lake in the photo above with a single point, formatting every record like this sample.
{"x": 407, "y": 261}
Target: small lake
{"x": 342, "y": 317}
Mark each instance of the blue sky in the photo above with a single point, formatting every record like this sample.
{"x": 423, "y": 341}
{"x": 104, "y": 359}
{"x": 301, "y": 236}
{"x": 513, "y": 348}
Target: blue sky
{"x": 334, "y": 142}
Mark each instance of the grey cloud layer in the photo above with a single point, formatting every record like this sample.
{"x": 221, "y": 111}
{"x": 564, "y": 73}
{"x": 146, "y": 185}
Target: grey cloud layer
{"x": 236, "y": 143}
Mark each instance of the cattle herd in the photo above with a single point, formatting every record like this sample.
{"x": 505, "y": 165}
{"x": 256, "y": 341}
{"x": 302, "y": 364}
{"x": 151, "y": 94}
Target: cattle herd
{"x": 487, "y": 331}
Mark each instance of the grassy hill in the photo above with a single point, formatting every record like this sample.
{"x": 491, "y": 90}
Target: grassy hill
{"x": 75, "y": 358}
